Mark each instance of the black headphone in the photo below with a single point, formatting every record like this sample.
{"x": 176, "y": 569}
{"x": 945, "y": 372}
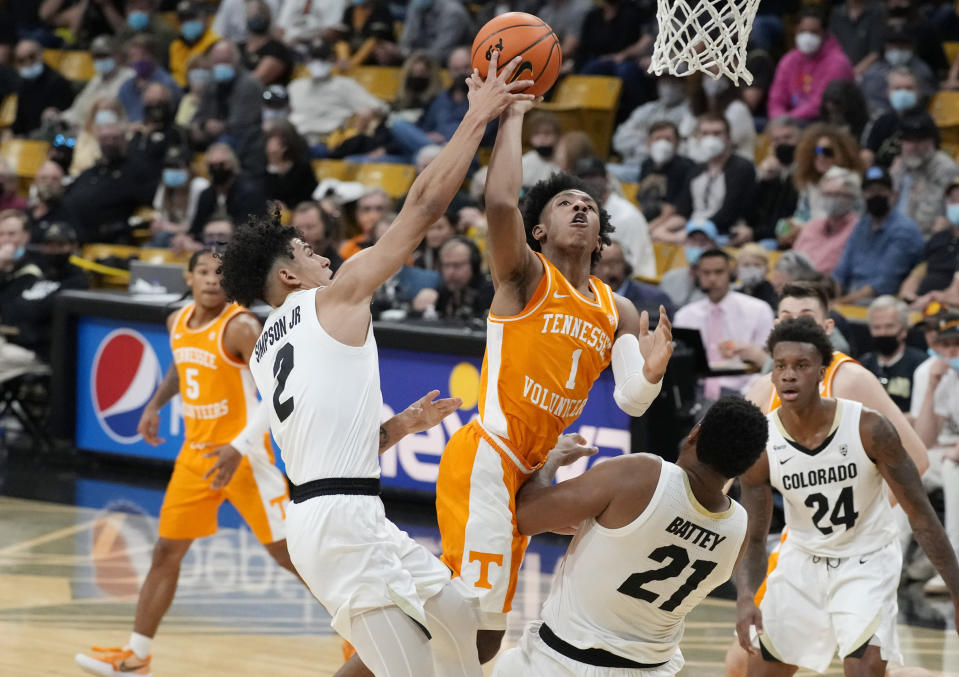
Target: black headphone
{"x": 476, "y": 259}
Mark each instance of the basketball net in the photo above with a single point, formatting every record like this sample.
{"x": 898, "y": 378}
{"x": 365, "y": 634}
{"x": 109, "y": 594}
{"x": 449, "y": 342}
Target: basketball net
{"x": 709, "y": 36}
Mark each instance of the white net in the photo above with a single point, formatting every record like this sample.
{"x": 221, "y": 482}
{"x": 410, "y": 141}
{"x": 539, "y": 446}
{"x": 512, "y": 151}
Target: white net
{"x": 704, "y": 35}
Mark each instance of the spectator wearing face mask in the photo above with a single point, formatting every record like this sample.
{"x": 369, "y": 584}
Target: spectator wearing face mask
{"x": 776, "y": 194}
{"x": 276, "y": 105}
{"x": 844, "y": 106}
{"x": 86, "y": 150}
{"x": 230, "y": 21}
{"x": 436, "y": 27}
{"x": 752, "y": 267}
{"x": 544, "y": 131}
{"x": 177, "y": 198}
{"x": 158, "y": 132}
{"x": 146, "y": 72}
{"x": 824, "y": 239}
{"x": 323, "y": 102}
{"x": 898, "y": 52}
{"x": 195, "y": 38}
{"x": 301, "y": 20}
{"x": 631, "y": 138}
{"x": 198, "y": 77}
{"x": 419, "y": 82}
{"x": 891, "y": 360}
{"x": 922, "y": 172}
{"x": 46, "y": 197}
{"x": 720, "y": 97}
{"x": 803, "y": 73}
{"x": 230, "y": 110}
{"x": 679, "y": 284}
{"x": 663, "y": 174}
{"x": 940, "y": 257}
{"x": 289, "y": 176}
{"x": 230, "y": 193}
{"x": 883, "y": 142}
{"x": 141, "y": 18}
{"x": 40, "y": 89}
{"x": 105, "y": 84}
{"x": 883, "y": 247}
{"x": 910, "y": 16}
{"x": 57, "y": 242}
{"x": 268, "y": 60}
{"x": 8, "y": 188}
{"x": 857, "y": 26}
{"x": 366, "y": 35}
{"x": 720, "y": 190}
{"x": 444, "y": 113}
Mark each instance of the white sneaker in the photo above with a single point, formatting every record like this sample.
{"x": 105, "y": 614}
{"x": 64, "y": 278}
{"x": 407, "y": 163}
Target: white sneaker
{"x": 935, "y": 586}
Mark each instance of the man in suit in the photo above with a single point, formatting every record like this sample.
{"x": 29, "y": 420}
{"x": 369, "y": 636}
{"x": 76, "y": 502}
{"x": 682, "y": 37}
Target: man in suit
{"x": 613, "y": 269}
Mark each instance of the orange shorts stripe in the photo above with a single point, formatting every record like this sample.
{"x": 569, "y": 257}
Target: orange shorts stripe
{"x": 190, "y": 507}
{"x": 770, "y": 567}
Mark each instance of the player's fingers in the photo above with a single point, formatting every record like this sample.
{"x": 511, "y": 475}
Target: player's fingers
{"x": 579, "y": 439}
{"x": 517, "y": 97}
{"x": 211, "y": 471}
{"x": 643, "y": 323}
{"x": 509, "y": 68}
{"x": 429, "y": 397}
{"x": 493, "y": 65}
{"x": 519, "y": 85}
{"x": 448, "y": 405}
{"x": 664, "y": 319}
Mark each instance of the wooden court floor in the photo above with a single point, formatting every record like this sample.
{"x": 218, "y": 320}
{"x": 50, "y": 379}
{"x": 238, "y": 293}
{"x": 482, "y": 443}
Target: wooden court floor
{"x": 69, "y": 578}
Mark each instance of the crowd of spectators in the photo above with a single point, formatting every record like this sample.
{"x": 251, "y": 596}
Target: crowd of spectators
{"x": 826, "y": 167}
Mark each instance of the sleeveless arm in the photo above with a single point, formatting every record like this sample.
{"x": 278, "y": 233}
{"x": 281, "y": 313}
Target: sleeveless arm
{"x": 757, "y": 499}
{"x": 511, "y": 259}
{"x": 883, "y": 446}
{"x": 639, "y": 358}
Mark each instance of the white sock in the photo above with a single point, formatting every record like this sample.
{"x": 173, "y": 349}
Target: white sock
{"x": 140, "y": 644}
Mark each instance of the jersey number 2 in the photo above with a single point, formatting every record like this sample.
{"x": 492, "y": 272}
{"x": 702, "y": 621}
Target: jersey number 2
{"x": 678, "y": 561}
{"x": 282, "y": 366}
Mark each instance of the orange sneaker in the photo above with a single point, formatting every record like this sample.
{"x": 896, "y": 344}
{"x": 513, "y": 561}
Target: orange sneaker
{"x": 348, "y": 651}
{"x": 114, "y": 661}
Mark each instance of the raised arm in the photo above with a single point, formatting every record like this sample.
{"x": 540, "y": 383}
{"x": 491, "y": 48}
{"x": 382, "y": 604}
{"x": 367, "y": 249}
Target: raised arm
{"x": 419, "y": 416}
{"x": 639, "y": 357}
{"x": 884, "y": 448}
{"x": 433, "y": 190}
{"x": 757, "y": 499}
{"x": 511, "y": 259}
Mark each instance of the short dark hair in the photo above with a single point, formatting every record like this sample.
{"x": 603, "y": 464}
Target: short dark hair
{"x": 714, "y": 117}
{"x": 813, "y": 12}
{"x": 248, "y": 258}
{"x": 663, "y": 124}
{"x": 716, "y": 253}
{"x": 732, "y": 436}
{"x": 801, "y": 330}
{"x": 539, "y": 196}
{"x": 806, "y": 290}
{"x": 196, "y": 257}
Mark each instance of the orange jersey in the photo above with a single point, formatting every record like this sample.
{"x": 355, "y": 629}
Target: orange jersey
{"x": 217, "y": 390}
{"x": 825, "y": 386}
{"x": 540, "y": 365}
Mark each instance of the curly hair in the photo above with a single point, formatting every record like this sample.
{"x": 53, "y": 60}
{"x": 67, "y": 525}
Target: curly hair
{"x": 844, "y": 146}
{"x": 732, "y": 436}
{"x": 539, "y": 196}
{"x": 801, "y": 330}
{"x": 246, "y": 262}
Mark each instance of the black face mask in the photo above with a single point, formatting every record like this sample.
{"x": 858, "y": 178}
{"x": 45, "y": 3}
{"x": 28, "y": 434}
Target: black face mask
{"x": 113, "y": 155}
{"x": 785, "y": 153}
{"x": 417, "y": 83}
{"x": 258, "y": 25}
{"x": 56, "y": 262}
{"x": 158, "y": 113}
{"x": 898, "y": 12}
{"x": 886, "y": 345}
{"x": 459, "y": 85}
{"x": 220, "y": 174}
{"x": 877, "y": 205}
{"x": 544, "y": 151}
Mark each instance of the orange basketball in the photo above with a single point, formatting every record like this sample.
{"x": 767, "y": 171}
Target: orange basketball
{"x": 519, "y": 34}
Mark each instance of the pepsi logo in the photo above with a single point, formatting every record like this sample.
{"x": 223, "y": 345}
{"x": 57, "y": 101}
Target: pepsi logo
{"x": 126, "y": 373}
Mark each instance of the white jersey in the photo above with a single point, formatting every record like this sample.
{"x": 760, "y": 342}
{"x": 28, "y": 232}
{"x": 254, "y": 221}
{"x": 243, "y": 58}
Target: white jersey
{"x": 324, "y": 396}
{"x": 628, "y": 590}
{"x": 835, "y": 499}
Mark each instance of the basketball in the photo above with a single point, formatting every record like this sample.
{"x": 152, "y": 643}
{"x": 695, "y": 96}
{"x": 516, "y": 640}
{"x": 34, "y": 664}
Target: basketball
{"x": 519, "y": 34}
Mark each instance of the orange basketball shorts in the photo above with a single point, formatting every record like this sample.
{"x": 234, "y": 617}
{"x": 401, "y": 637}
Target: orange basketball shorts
{"x": 476, "y": 510}
{"x": 257, "y": 490}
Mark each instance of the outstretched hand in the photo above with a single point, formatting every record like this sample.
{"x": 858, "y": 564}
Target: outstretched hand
{"x": 228, "y": 459}
{"x": 748, "y": 615}
{"x": 569, "y": 449}
{"x": 429, "y": 411}
{"x": 656, "y": 347}
{"x": 491, "y": 97}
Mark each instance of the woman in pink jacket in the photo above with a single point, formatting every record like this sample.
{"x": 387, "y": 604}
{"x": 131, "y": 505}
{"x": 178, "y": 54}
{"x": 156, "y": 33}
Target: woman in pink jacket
{"x": 802, "y": 75}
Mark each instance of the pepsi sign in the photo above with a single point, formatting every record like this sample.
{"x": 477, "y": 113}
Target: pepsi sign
{"x": 126, "y": 374}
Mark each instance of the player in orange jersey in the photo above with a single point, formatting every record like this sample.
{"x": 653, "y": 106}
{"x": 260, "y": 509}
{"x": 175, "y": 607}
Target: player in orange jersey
{"x": 846, "y": 378}
{"x": 226, "y": 453}
{"x": 552, "y": 329}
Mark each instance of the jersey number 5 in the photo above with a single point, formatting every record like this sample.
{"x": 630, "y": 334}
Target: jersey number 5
{"x": 282, "y": 366}
{"x": 678, "y": 561}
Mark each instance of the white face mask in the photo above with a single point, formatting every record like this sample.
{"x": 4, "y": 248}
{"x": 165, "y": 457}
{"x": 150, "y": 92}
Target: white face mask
{"x": 661, "y": 151}
{"x": 320, "y": 69}
{"x": 711, "y": 147}
{"x": 750, "y": 275}
{"x": 714, "y": 88}
{"x": 808, "y": 43}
